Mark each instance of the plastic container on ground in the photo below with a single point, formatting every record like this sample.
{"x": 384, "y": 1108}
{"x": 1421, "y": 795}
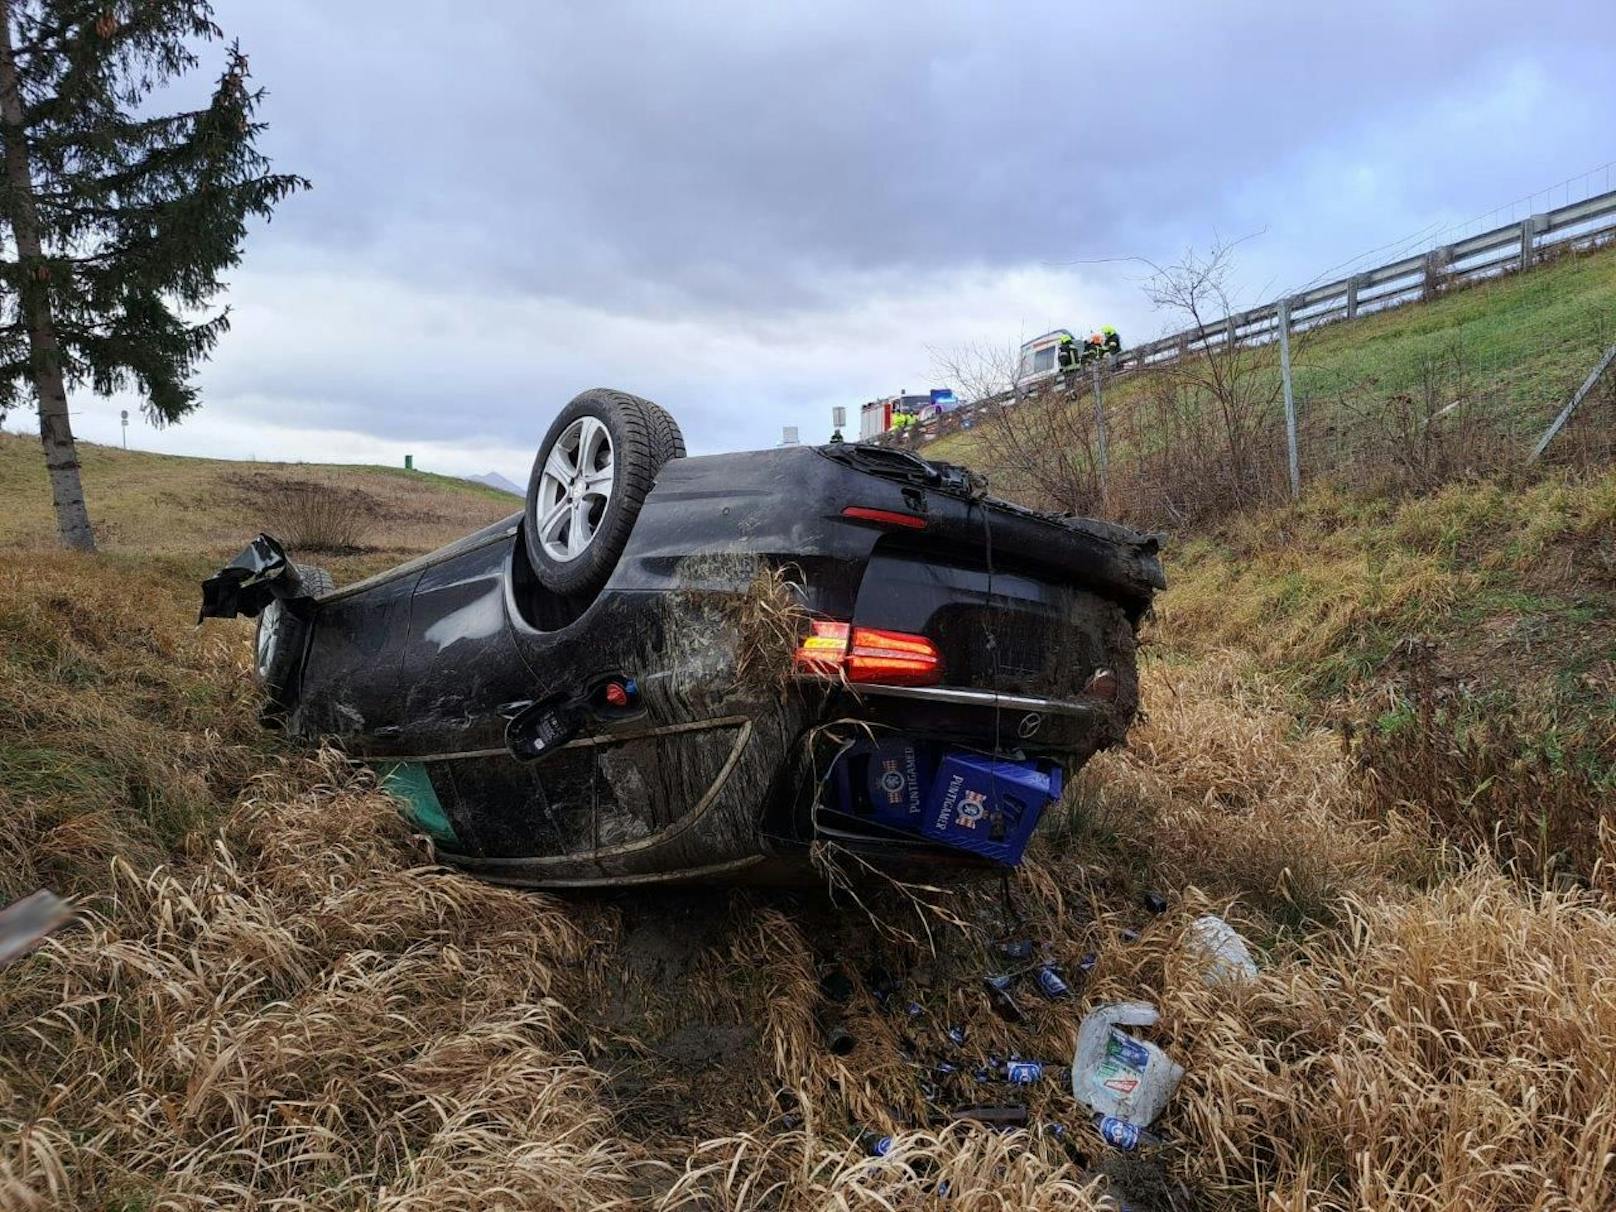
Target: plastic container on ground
{"x": 989, "y": 806}
{"x": 1223, "y": 952}
{"x": 1118, "y": 1075}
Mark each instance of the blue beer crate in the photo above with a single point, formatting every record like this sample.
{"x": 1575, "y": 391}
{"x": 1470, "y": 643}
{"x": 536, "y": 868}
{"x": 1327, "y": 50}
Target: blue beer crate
{"x": 989, "y": 806}
{"x": 886, "y": 779}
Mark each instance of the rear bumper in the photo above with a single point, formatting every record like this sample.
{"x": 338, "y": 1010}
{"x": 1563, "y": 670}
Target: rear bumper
{"x": 1064, "y": 728}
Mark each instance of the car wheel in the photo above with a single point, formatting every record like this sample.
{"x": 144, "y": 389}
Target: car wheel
{"x": 278, "y": 642}
{"x": 666, "y": 439}
{"x": 314, "y": 581}
{"x": 593, "y": 471}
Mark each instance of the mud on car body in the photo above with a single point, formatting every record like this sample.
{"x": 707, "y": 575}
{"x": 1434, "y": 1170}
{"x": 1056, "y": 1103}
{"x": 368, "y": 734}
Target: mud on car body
{"x": 671, "y": 668}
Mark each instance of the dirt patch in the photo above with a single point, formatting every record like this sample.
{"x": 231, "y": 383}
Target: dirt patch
{"x": 704, "y": 1045}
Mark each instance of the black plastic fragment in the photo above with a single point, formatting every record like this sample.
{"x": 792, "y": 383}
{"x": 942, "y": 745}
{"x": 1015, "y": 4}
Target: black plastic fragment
{"x": 249, "y": 582}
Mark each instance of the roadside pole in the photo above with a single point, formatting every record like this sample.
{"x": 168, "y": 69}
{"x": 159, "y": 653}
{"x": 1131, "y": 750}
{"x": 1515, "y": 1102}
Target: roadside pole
{"x": 1290, "y": 399}
{"x": 1099, "y": 429}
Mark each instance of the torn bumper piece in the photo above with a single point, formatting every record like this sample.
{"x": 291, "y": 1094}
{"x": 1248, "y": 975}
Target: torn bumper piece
{"x": 256, "y": 577}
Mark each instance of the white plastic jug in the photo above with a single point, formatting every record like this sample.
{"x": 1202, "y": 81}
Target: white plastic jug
{"x": 1118, "y": 1075}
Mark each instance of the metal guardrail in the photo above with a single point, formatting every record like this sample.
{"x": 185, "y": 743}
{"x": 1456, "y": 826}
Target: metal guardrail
{"x": 1515, "y": 246}
{"x": 1512, "y": 247}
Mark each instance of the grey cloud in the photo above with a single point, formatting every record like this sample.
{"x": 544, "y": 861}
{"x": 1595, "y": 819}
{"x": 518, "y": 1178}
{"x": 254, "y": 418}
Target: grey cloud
{"x": 751, "y": 211}
{"x": 732, "y": 154}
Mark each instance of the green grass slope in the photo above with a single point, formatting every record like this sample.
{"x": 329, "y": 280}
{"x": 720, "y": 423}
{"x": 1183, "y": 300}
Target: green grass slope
{"x": 1462, "y": 638}
{"x": 1521, "y": 342}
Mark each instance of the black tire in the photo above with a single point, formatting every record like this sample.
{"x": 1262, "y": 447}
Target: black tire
{"x": 277, "y": 656}
{"x": 643, "y": 438}
{"x": 666, "y": 439}
{"x": 315, "y": 582}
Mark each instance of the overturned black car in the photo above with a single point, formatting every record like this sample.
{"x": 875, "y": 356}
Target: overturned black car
{"x": 669, "y": 668}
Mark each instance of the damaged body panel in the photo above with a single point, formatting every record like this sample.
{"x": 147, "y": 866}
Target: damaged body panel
{"x": 670, "y": 725}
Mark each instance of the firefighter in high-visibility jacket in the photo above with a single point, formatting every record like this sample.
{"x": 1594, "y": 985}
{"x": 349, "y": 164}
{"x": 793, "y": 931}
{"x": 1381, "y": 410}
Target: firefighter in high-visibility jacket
{"x": 1105, "y": 341}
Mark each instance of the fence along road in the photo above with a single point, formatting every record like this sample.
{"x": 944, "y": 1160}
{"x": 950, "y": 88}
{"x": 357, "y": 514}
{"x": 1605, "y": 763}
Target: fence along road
{"x": 1515, "y": 246}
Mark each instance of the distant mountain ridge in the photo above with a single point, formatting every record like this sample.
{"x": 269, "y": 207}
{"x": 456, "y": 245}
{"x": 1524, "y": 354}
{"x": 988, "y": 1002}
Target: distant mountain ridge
{"x": 494, "y": 480}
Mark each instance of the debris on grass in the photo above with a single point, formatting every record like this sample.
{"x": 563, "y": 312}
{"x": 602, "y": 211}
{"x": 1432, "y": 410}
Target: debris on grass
{"x": 28, "y": 922}
{"x": 1117, "y": 1074}
{"x": 1222, "y": 952}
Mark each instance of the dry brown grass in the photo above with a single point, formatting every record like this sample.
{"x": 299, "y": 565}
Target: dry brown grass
{"x": 1222, "y": 789}
{"x": 1439, "y": 1046}
{"x": 122, "y": 727}
{"x": 1446, "y": 1050}
{"x": 275, "y": 1002}
{"x": 305, "y": 1016}
{"x": 149, "y": 503}
{"x": 308, "y": 516}
{"x": 966, "y": 1169}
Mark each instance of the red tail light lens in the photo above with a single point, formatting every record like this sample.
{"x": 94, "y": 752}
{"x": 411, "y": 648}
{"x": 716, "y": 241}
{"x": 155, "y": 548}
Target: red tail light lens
{"x": 869, "y": 655}
{"x": 885, "y": 517}
{"x": 895, "y": 658}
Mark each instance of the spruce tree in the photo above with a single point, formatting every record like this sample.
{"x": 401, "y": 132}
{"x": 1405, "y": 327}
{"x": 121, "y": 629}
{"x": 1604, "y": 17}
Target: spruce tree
{"x": 116, "y": 221}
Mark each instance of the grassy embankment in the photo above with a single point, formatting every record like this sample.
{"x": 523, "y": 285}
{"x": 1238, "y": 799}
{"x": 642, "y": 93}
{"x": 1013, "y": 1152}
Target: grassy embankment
{"x": 1518, "y": 344}
{"x": 123, "y": 726}
{"x": 295, "y": 1010}
{"x": 144, "y": 504}
{"x": 1462, "y": 634}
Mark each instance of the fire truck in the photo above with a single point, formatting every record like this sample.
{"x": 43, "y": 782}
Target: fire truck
{"x": 876, "y": 417}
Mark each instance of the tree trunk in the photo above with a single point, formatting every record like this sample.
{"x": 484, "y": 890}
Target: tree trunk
{"x": 55, "y": 429}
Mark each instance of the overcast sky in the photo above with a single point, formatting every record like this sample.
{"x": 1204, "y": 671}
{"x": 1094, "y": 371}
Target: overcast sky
{"x": 751, "y": 212}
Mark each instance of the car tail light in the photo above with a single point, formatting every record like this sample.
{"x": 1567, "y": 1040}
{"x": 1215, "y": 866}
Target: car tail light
{"x": 885, "y": 517}
{"x": 824, "y": 652}
{"x": 869, "y": 655}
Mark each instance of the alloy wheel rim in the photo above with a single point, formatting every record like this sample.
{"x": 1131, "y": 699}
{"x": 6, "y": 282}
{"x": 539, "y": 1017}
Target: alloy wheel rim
{"x": 269, "y": 629}
{"x": 575, "y": 488}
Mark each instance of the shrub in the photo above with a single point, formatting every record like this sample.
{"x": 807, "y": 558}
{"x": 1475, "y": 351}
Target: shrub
{"x": 307, "y": 515}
